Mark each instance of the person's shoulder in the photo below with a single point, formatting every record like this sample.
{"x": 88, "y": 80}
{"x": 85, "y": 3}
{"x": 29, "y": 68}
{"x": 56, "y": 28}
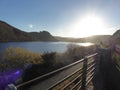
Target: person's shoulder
{"x": 10, "y": 87}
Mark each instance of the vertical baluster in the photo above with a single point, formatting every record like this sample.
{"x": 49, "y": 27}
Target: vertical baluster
{"x": 84, "y": 74}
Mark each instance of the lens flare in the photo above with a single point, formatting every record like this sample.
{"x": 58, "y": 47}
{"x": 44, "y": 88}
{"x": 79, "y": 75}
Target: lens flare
{"x": 8, "y": 77}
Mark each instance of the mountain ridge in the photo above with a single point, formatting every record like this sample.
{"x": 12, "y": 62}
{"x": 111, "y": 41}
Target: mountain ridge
{"x": 9, "y": 33}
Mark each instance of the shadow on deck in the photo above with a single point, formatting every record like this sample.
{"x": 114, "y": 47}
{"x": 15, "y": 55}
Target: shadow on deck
{"x": 107, "y": 76}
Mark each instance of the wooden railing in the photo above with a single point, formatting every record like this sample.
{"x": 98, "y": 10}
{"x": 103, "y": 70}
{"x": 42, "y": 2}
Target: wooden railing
{"x": 77, "y": 80}
{"x": 80, "y": 81}
{"x": 116, "y": 54}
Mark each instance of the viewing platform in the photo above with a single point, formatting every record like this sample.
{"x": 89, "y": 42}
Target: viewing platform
{"x": 93, "y": 72}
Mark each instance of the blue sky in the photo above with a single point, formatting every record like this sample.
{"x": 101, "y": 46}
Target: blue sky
{"x": 60, "y": 17}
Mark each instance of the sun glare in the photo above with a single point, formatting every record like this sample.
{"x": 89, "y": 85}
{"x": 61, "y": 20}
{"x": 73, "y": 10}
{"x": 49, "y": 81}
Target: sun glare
{"x": 88, "y": 26}
{"x": 86, "y": 44}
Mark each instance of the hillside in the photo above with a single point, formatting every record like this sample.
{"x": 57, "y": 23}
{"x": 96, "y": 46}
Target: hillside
{"x": 9, "y": 33}
{"x": 115, "y": 38}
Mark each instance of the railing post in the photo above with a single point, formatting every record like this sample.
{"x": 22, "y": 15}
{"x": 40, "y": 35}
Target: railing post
{"x": 84, "y": 74}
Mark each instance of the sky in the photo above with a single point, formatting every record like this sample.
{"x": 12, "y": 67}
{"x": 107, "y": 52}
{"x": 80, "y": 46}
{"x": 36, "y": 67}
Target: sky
{"x": 66, "y": 18}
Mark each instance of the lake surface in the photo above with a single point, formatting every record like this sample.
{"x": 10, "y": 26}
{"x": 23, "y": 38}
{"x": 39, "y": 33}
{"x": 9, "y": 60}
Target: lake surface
{"x": 40, "y": 47}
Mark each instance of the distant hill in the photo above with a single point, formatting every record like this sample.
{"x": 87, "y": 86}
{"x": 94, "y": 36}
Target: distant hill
{"x": 97, "y": 38}
{"x": 92, "y": 39}
{"x": 9, "y": 33}
{"x": 42, "y": 36}
{"x": 69, "y": 39}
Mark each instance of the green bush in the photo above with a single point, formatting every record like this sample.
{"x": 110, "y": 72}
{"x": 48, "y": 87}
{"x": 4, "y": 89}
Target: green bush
{"x": 49, "y": 58}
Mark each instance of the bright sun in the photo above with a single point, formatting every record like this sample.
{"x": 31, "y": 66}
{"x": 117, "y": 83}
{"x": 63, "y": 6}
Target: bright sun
{"x": 87, "y": 26}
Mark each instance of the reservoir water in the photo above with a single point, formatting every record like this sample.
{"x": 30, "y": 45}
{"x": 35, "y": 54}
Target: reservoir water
{"x": 39, "y": 47}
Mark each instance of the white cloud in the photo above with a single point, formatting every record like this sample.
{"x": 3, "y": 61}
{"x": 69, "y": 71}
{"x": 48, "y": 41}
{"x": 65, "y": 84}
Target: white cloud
{"x": 30, "y": 26}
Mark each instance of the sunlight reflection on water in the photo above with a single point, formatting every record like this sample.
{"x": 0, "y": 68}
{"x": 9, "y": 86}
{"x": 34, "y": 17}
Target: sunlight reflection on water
{"x": 85, "y": 44}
